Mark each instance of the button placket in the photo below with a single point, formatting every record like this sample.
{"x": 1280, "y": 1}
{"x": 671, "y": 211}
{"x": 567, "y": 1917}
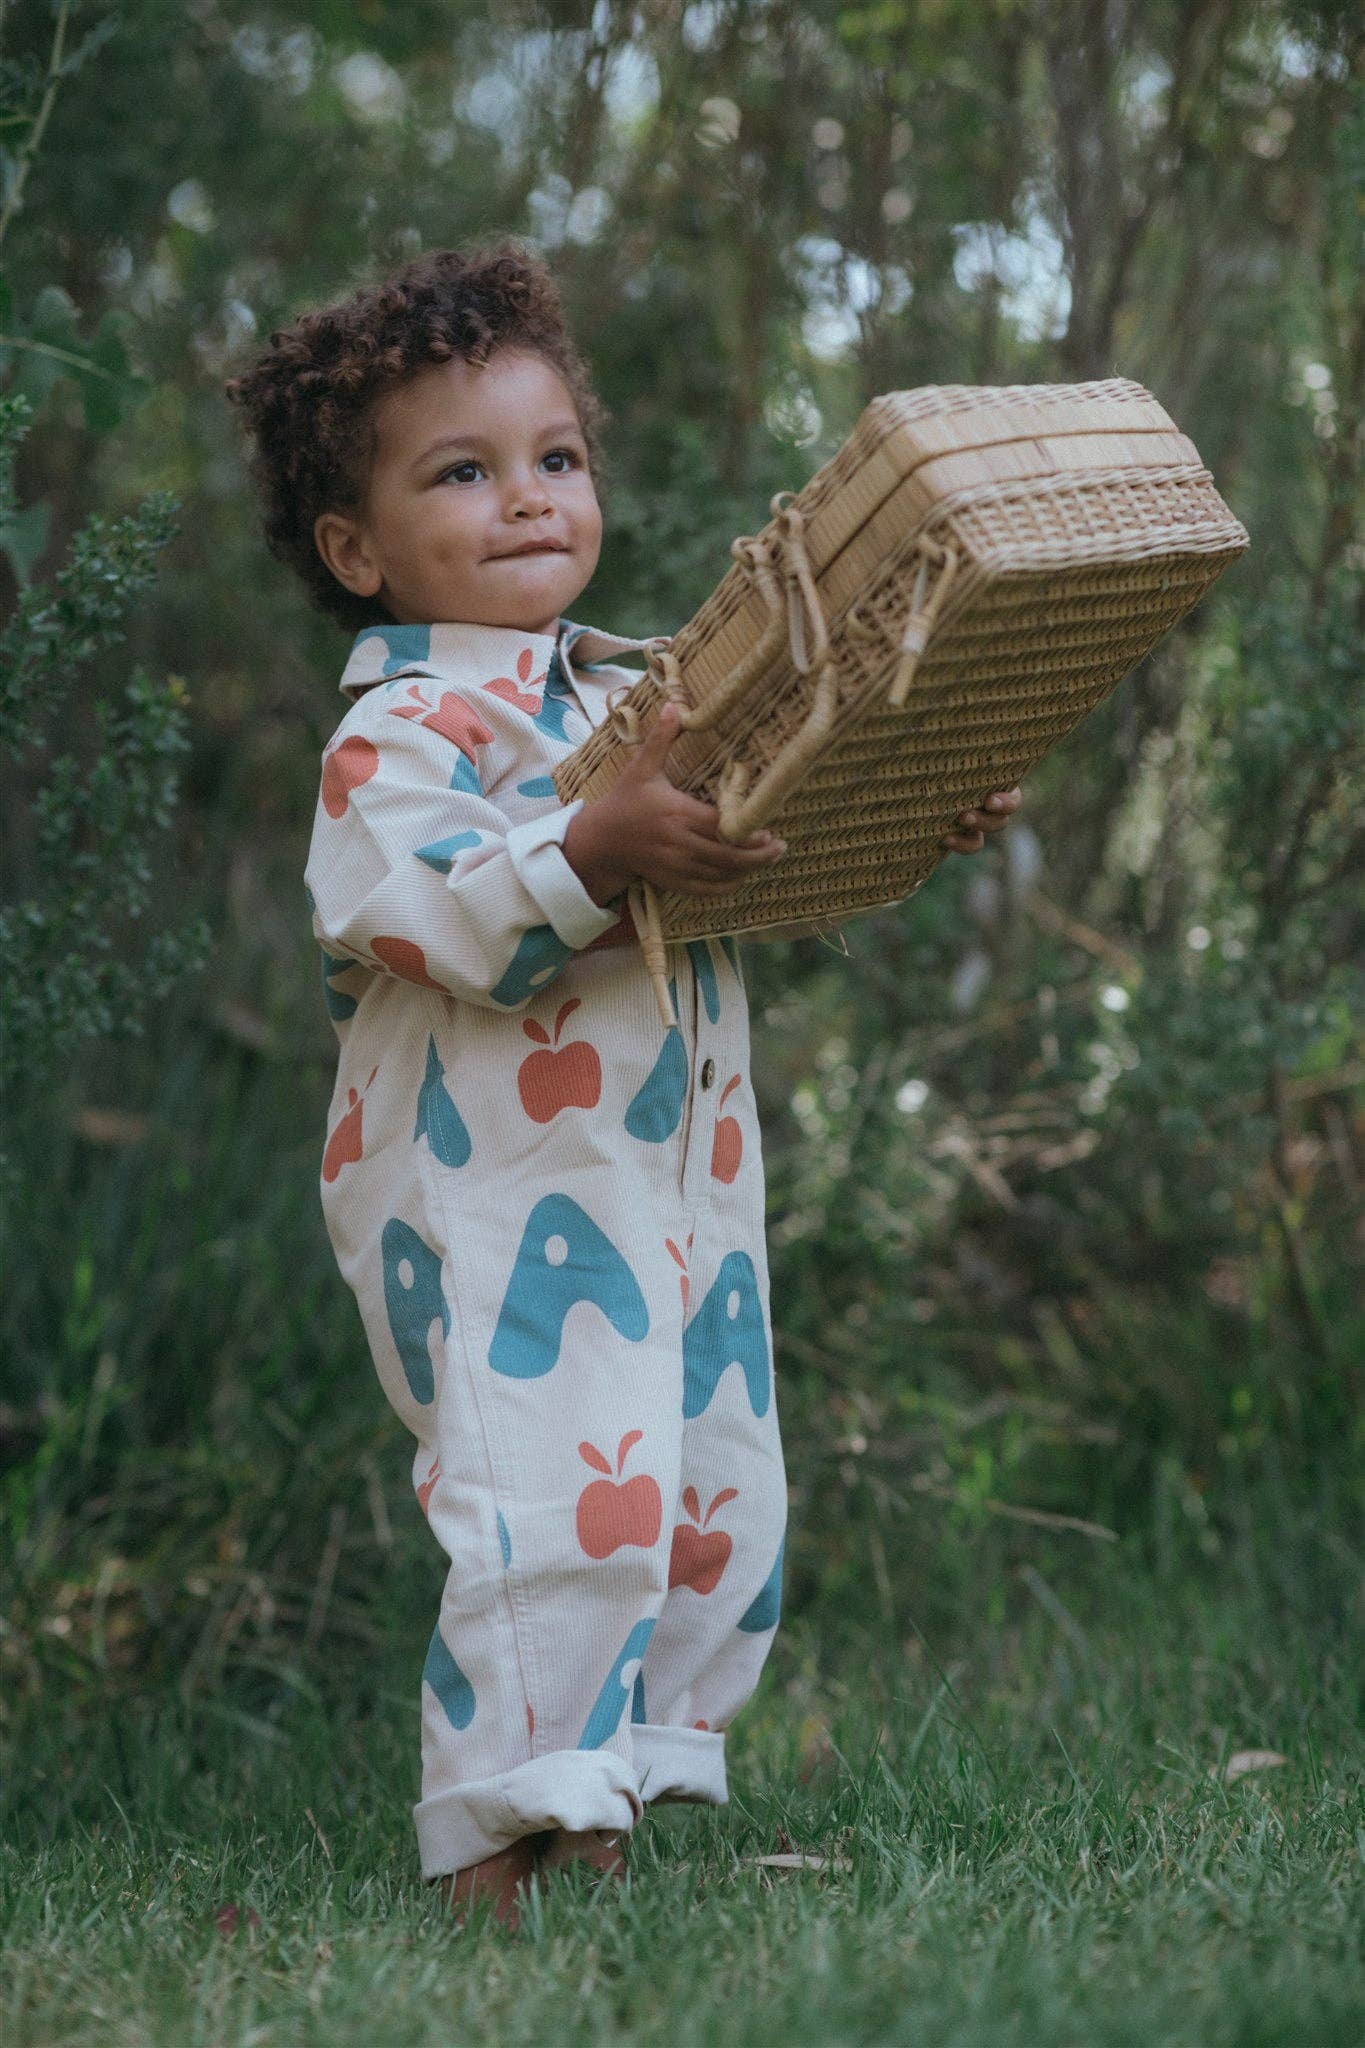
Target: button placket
{"x": 705, "y": 1070}
{"x": 689, "y": 1025}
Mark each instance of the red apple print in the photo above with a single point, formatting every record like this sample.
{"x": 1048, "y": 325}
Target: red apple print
{"x": 680, "y": 1260}
{"x": 698, "y": 1560}
{"x": 525, "y": 697}
{"x": 530, "y": 1720}
{"x": 550, "y": 1080}
{"x": 701, "y": 1724}
{"x": 344, "y": 769}
{"x": 406, "y": 960}
{"x": 345, "y": 1143}
{"x": 428, "y": 1486}
{"x": 452, "y": 718}
{"x": 727, "y": 1145}
{"x": 610, "y": 1514}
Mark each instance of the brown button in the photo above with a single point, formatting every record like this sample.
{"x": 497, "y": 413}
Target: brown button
{"x": 708, "y": 1073}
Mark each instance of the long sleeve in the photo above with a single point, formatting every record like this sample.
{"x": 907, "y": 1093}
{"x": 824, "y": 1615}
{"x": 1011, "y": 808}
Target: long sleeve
{"x": 415, "y": 873}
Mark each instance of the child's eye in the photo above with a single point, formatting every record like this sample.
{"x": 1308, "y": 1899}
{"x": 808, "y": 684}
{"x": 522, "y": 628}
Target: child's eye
{"x": 467, "y": 472}
{"x": 563, "y": 460}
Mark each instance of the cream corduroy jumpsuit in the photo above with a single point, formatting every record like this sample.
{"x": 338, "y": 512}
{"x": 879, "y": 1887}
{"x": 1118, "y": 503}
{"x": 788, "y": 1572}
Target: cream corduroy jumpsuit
{"x": 550, "y": 1209}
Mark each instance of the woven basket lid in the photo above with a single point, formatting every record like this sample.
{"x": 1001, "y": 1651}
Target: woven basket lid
{"x": 971, "y": 573}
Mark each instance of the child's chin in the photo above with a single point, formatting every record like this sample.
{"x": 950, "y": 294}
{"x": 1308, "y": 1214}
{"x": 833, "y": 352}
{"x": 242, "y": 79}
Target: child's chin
{"x": 529, "y": 609}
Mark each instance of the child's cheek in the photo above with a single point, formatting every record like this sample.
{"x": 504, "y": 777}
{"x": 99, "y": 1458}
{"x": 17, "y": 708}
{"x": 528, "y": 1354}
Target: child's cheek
{"x": 456, "y": 548}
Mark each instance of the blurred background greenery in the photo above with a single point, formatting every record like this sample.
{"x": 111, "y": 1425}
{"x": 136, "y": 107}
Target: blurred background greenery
{"x": 1066, "y": 1158}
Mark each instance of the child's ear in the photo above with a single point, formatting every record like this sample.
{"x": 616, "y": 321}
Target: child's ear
{"x": 342, "y": 543}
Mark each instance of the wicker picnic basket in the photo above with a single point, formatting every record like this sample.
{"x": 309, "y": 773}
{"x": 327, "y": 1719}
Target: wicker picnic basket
{"x": 974, "y": 571}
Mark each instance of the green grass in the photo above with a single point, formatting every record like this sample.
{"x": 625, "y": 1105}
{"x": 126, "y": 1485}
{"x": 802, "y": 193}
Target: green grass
{"x": 1005, "y": 1735}
{"x": 1029, "y": 1835}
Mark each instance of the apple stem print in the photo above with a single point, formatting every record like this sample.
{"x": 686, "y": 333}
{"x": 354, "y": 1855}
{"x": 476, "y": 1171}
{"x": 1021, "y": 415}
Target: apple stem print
{"x": 346, "y": 1143}
{"x": 680, "y": 1261}
{"x": 525, "y": 691}
{"x": 697, "y": 1559}
{"x": 555, "y": 1078}
{"x": 551, "y": 1216}
{"x": 611, "y": 1513}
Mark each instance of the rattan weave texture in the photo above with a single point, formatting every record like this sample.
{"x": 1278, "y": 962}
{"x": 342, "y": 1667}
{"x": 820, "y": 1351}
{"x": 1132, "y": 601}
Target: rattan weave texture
{"x": 970, "y": 574}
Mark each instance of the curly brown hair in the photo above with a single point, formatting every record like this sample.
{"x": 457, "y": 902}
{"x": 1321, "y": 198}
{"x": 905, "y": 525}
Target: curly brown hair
{"x": 309, "y": 397}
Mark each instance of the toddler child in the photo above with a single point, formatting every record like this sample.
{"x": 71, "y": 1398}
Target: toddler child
{"x": 549, "y": 1208}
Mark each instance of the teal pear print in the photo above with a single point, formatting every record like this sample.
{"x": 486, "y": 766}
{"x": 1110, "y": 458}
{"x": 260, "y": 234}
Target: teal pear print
{"x": 556, "y": 702}
{"x": 401, "y": 647}
{"x": 437, "y": 1117}
{"x": 704, "y": 967}
{"x": 766, "y": 1606}
{"x": 440, "y": 854}
{"x": 448, "y": 1682}
{"x": 655, "y": 1111}
{"x": 539, "y": 956}
{"x": 340, "y": 1006}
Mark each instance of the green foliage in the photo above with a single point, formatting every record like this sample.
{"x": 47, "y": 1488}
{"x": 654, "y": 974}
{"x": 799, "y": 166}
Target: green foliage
{"x": 1065, "y": 1155}
{"x": 40, "y": 348}
{"x": 75, "y": 962}
{"x": 46, "y": 347}
{"x": 54, "y": 630}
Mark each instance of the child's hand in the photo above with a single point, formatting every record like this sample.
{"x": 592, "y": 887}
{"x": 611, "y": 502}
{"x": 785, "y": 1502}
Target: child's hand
{"x": 645, "y": 828}
{"x": 969, "y": 834}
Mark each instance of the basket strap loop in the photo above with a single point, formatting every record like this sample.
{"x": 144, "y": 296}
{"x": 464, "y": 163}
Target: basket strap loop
{"x": 807, "y": 633}
{"x": 622, "y": 715}
{"x": 778, "y": 566}
{"x": 744, "y": 810}
{"x": 643, "y": 904}
{"x": 923, "y": 615}
{"x": 755, "y": 559}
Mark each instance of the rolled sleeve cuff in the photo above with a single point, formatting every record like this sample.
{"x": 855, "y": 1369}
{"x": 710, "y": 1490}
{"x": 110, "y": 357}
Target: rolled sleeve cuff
{"x": 536, "y": 851}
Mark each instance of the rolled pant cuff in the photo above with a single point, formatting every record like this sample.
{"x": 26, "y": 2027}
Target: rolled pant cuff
{"x": 570, "y": 1788}
{"x": 679, "y": 1763}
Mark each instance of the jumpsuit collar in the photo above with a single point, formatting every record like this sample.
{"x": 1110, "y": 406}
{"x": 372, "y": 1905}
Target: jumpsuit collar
{"x": 446, "y": 652}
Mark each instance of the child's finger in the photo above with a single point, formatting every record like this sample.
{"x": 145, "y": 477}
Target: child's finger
{"x": 698, "y": 816}
{"x": 649, "y": 757}
{"x": 719, "y": 857}
{"x": 688, "y": 886}
{"x": 704, "y": 819}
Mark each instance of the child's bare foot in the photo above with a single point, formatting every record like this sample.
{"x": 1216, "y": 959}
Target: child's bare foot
{"x": 498, "y": 1878}
{"x": 599, "y": 1847}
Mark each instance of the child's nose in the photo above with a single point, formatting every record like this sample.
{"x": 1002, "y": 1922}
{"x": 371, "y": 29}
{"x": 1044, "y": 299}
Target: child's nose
{"x": 527, "y": 497}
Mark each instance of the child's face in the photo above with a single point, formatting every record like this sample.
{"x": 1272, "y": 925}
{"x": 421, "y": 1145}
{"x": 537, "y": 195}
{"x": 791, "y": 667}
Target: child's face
{"x": 480, "y": 506}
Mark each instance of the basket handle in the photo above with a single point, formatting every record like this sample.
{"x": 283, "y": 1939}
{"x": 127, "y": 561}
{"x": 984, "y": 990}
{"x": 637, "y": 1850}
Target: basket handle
{"x": 744, "y": 810}
{"x": 795, "y": 626}
{"x": 778, "y": 566}
{"x": 643, "y": 904}
{"x": 923, "y": 616}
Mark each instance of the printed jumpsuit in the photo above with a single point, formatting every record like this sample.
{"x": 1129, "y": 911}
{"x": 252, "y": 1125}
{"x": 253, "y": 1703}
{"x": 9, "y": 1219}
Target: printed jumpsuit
{"x": 550, "y": 1209}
